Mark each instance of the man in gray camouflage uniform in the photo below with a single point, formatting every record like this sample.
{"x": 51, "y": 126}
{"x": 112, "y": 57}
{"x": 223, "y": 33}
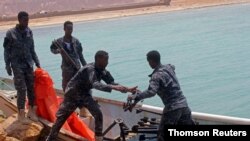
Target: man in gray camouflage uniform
{"x": 165, "y": 83}
{"x": 78, "y": 93}
{"x": 19, "y": 56}
{"x": 73, "y": 48}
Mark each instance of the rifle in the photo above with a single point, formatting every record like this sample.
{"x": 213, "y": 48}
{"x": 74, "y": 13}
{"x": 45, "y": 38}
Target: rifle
{"x": 58, "y": 45}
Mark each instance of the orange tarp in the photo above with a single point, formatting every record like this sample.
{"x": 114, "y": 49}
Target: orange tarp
{"x": 48, "y": 104}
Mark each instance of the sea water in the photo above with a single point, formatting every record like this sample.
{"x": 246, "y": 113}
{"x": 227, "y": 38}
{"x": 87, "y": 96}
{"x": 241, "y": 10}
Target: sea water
{"x": 210, "y": 48}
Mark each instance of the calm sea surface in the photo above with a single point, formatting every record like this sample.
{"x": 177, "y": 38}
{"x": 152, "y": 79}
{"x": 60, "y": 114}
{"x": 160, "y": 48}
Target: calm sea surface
{"x": 210, "y": 48}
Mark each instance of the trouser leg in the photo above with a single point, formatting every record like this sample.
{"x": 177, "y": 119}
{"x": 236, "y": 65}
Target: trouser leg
{"x": 186, "y": 117}
{"x": 161, "y": 135}
{"x": 20, "y": 85}
{"x": 65, "y": 110}
{"x": 180, "y": 116}
{"x": 94, "y": 109}
{"x": 29, "y": 79}
{"x": 168, "y": 118}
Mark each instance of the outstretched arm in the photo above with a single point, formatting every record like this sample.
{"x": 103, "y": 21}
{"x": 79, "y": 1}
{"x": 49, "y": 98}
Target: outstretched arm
{"x": 97, "y": 84}
{"x": 152, "y": 88}
{"x": 108, "y": 78}
{"x": 105, "y": 87}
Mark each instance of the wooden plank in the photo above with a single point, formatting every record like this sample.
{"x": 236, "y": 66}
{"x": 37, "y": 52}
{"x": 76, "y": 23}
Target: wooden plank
{"x": 7, "y": 106}
{"x": 64, "y": 135}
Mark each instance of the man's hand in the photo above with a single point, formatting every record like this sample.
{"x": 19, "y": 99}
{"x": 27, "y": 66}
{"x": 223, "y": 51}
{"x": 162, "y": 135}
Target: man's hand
{"x": 59, "y": 50}
{"x": 132, "y": 90}
{"x": 9, "y": 70}
{"x": 38, "y": 65}
{"x": 55, "y": 46}
{"x": 134, "y": 97}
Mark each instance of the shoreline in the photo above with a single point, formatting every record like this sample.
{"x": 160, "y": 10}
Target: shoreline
{"x": 174, "y": 6}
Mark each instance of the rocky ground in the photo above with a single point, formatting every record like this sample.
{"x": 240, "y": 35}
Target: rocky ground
{"x": 12, "y": 130}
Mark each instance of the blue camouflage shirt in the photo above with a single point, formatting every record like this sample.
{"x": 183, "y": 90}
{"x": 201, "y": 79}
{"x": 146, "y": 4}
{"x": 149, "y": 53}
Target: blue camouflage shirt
{"x": 165, "y": 83}
{"x": 19, "y": 48}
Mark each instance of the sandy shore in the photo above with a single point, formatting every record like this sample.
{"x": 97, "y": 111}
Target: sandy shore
{"x": 175, "y": 5}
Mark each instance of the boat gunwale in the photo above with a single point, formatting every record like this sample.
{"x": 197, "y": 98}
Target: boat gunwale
{"x": 158, "y": 110}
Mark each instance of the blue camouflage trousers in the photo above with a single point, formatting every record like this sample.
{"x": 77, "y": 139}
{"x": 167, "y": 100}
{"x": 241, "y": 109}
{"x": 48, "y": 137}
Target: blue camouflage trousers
{"x": 181, "y": 116}
{"x": 24, "y": 82}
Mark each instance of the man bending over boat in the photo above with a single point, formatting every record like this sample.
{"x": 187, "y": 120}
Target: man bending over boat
{"x": 78, "y": 94}
{"x": 165, "y": 83}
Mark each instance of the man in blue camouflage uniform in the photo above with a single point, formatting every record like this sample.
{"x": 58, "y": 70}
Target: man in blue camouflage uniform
{"x": 19, "y": 56}
{"x": 73, "y": 48}
{"x": 165, "y": 83}
{"x": 78, "y": 94}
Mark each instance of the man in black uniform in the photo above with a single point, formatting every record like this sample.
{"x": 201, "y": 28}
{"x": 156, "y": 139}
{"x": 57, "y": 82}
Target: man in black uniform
{"x": 73, "y": 52}
{"x": 78, "y": 93}
{"x": 19, "y": 56}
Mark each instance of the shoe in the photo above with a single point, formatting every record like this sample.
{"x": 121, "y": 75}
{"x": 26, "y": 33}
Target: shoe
{"x": 21, "y": 117}
{"x": 32, "y": 113}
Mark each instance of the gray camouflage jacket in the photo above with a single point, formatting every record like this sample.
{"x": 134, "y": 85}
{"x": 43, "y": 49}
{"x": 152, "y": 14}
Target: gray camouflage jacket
{"x": 19, "y": 50}
{"x": 165, "y": 83}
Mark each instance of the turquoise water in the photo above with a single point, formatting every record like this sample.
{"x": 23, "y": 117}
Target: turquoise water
{"x": 208, "y": 46}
